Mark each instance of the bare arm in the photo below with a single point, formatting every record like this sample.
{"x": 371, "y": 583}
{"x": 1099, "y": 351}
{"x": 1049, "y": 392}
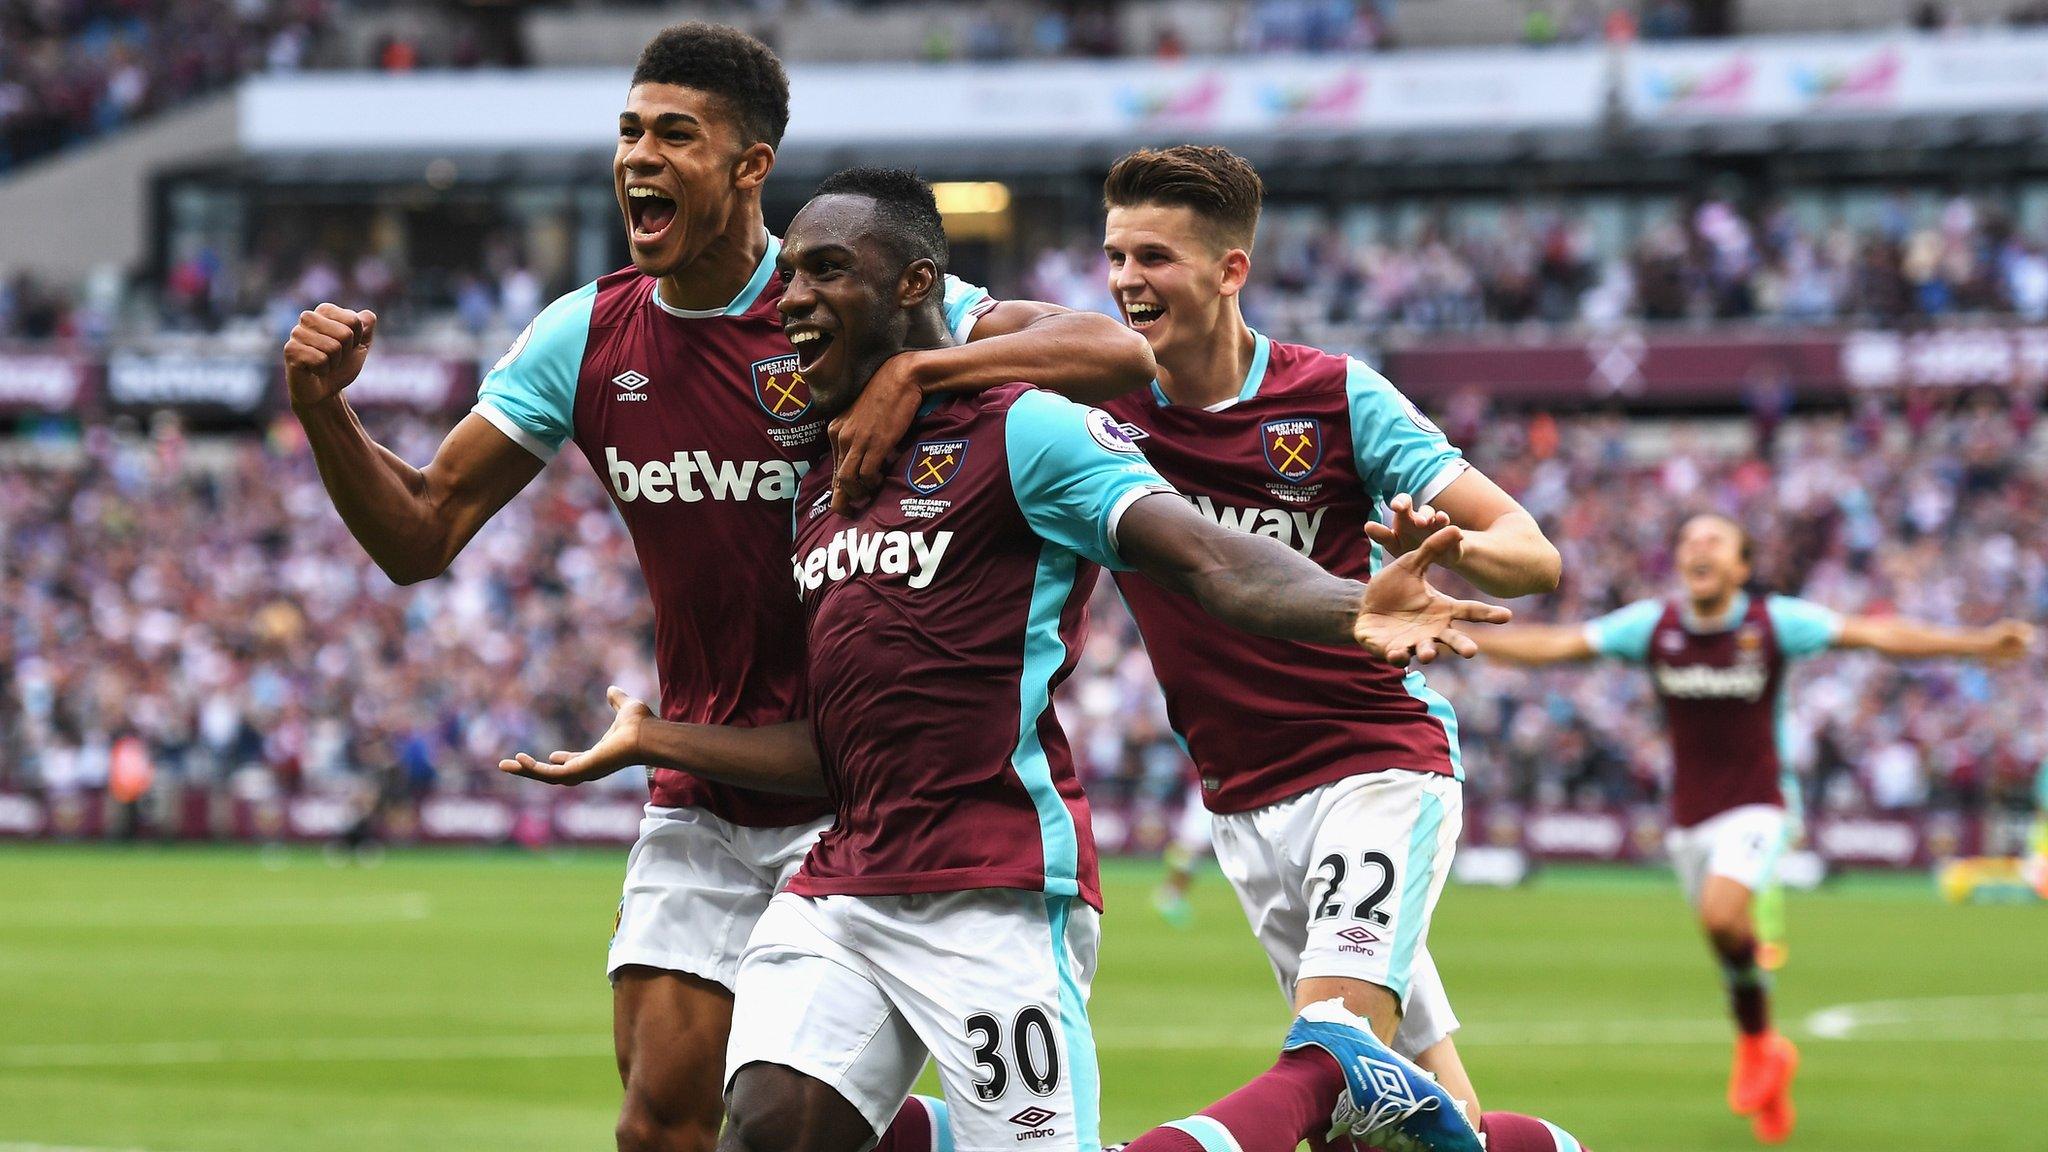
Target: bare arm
{"x": 1261, "y": 586}
{"x": 777, "y": 758}
{"x": 1503, "y": 553}
{"x": 412, "y": 521}
{"x": 1894, "y": 636}
{"x": 1539, "y": 644}
{"x": 1085, "y": 356}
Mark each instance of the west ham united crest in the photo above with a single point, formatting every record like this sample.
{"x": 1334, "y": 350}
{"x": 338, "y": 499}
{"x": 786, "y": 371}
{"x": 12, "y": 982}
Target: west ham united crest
{"x": 1293, "y": 447}
{"x": 934, "y": 463}
{"x": 780, "y": 388}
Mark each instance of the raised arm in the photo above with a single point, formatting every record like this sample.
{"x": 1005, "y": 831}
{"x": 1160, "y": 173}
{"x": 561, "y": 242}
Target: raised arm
{"x": 1503, "y": 551}
{"x": 776, "y": 758}
{"x": 1259, "y": 585}
{"x": 411, "y": 521}
{"x": 1083, "y": 355}
{"x": 1896, "y": 636}
{"x": 1539, "y": 644}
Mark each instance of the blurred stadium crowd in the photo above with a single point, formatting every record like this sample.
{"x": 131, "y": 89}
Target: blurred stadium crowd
{"x": 201, "y": 604}
{"x": 71, "y": 69}
{"x": 1917, "y": 257}
{"x": 1711, "y": 259}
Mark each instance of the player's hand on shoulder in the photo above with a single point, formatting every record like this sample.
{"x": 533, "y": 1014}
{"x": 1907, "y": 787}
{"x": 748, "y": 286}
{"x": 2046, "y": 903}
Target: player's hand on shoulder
{"x": 2009, "y": 640}
{"x": 865, "y": 435}
{"x": 1401, "y": 617}
{"x": 618, "y": 748}
{"x": 1410, "y": 524}
{"x": 325, "y": 352}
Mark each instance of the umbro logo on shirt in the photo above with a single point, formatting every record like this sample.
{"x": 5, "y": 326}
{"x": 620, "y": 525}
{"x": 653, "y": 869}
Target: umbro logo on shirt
{"x": 632, "y": 382}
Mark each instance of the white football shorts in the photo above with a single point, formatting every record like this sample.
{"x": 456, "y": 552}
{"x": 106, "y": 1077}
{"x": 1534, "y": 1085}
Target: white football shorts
{"x": 1342, "y": 881}
{"x": 696, "y": 885}
{"x": 1742, "y": 844}
{"x": 992, "y": 984}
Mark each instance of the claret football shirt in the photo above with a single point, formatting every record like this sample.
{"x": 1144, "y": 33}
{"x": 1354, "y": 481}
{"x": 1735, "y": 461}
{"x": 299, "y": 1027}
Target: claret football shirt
{"x": 700, "y": 427}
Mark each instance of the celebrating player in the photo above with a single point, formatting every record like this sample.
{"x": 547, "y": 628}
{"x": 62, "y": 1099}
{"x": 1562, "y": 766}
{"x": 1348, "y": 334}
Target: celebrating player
{"x": 674, "y": 378}
{"x": 1334, "y": 779}
{"x": 1717, "y": 658}
{"x": 951, "y": 908}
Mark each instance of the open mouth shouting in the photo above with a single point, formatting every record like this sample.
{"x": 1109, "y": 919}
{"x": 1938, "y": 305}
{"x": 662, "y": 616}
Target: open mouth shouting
{"x": 652, "y": 212}
{"x": 811, "y": 343}
{"x": 1144, "y": 315}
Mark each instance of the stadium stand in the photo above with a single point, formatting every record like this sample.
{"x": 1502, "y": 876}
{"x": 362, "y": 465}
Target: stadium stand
{"x": 1767, "y": 254}
{"x": 71, "y": 71}
{"x": 201, "y": 597}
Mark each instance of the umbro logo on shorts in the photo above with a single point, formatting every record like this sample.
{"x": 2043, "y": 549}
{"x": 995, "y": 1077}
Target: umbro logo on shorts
{"x": 1034, "y": 1121}
{"x": 1358, "y": 936}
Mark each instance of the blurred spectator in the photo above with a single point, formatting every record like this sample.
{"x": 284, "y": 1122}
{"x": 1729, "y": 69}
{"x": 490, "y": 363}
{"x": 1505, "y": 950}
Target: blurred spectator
{"x": 206, "y": 600}
{"x": 69, "y": 71}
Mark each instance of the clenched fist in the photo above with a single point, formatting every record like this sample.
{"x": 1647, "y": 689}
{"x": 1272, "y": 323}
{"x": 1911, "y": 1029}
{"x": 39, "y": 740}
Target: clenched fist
{"x": 326, "y": 352}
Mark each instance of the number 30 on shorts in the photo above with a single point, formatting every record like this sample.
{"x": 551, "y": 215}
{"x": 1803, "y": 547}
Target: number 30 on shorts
{"x": 1377, "y": 867}
{"x": 1032, "y": 1049}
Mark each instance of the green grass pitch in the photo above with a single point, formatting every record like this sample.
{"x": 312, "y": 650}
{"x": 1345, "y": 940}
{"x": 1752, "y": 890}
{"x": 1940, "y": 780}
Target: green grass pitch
{"x": 199, "y": 1000}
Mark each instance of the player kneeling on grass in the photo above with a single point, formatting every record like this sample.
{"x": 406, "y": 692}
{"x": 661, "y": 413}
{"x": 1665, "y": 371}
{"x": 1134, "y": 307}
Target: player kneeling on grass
{"x": 951, "y": 909}
{"x": 1718, "y": 658}
{"x": 1334, "y": 779}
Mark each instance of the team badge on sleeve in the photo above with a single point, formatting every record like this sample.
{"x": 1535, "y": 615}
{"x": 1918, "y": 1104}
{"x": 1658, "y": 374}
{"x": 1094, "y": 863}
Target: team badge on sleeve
{"x": 1293, "y": 447}
{"x": 1110, "y": 434}
{"x": 1415, "y": 413}
{"x": 934, "y": 463}
{"x": 518, "y": 346}
{"x": 780, "y": 388}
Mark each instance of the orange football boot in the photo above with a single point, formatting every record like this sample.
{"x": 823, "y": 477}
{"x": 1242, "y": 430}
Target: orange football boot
{"x": 1763, "y": 1065}
{"x": 1772, "y": 1123}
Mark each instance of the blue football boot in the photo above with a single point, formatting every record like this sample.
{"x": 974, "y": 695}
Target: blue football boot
{"x": 1388, "y": 1102}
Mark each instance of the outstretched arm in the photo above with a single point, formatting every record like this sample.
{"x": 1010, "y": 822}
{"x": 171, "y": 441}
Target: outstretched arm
{"x": 776, "y": 758}
{"x": 1085, "y": 356}
{"x": 1259, "y": 585}
{"x": 1540, "y": 644}
{"x": 412, "y": 521}
{"x": 1503, "y": 551}
{"x": 1895, "y": 636}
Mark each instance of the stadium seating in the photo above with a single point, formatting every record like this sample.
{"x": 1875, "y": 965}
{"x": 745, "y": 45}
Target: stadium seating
{"x": 263, "y": 656}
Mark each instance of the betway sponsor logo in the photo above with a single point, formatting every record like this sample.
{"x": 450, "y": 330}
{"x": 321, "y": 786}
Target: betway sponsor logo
{"x": 853, "y": 552}
{"x": 1297, "y": 530}
{"x": 1701, "y": 682}
{"x": 694, "y": 476}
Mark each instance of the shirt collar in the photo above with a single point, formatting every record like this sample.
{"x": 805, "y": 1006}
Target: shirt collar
{"x": 740, "y": 303}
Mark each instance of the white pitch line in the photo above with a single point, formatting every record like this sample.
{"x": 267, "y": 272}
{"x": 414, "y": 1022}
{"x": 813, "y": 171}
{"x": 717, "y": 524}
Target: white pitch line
{"x": 298, "y": 1051}
{"x": 17, "y": 1147}
{"x": 1951, "y": 1019}
{"x": 2018, "y": 1016}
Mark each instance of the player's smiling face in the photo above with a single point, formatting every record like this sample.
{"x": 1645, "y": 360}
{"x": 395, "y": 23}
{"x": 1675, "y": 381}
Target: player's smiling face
{"x": 844, "y": 302}
{"x": 1170, "y": 278}
{"x": 679, "y": 166}
{"x": 1709, "y": 558}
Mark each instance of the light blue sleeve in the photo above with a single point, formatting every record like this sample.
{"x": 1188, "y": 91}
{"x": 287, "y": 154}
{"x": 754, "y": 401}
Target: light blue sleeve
{"x": 1074, "y": 472}
{"x": 1803, "y": 627}
{"x": 1393, "y": 445}
{"x": 530, "y": 395}
{"x": 965, "y": 304}
{"x": 1624, "y": 633}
